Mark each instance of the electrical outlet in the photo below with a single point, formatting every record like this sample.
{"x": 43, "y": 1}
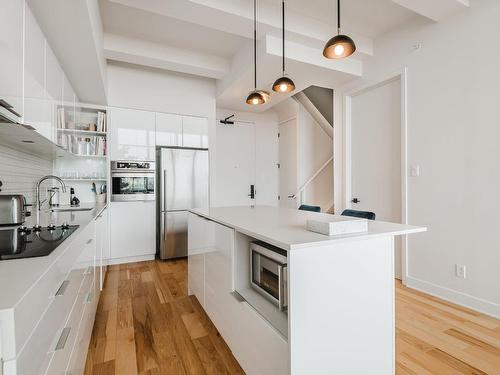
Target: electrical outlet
{"x": 460, "y": 271}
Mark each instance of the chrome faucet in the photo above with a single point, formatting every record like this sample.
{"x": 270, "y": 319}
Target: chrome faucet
{"x": 49, "y": 177}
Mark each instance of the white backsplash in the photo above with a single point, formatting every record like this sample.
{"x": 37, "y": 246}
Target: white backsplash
{"x": 20, "y": 171}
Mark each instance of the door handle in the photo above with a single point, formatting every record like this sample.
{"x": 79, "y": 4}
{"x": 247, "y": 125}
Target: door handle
{"x": 292, "y": 196}
{"x": 355, "y": 200}
{"x": 252, "y": 192}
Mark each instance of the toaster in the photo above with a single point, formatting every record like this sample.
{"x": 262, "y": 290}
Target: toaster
{"x": 12, "y": 209}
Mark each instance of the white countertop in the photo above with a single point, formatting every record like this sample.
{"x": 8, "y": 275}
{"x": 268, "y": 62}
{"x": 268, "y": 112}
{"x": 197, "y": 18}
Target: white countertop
{"x": 17, "y": 276}
{"x": 286, "y": 228}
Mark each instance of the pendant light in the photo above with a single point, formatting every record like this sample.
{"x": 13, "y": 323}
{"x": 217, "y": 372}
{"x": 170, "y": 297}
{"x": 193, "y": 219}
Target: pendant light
{"x": 283, "y": 84}
{"x": 339, "y": 46}
{"x": 256, "y": 97}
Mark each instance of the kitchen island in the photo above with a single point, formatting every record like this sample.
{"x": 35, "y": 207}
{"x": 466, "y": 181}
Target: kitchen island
{"x": 340, "y": 291}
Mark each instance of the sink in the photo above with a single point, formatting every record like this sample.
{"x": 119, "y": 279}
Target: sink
{"x": 70, "y": 209}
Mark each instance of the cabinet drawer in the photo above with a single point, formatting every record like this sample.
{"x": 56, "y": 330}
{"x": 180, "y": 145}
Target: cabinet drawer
{"x": 36, "y": 301}
{"x": 79, "y": 351}
{"x": 255, "y": 338}
{"x": 41, "y": 345}
{"x": 69, "y": 333}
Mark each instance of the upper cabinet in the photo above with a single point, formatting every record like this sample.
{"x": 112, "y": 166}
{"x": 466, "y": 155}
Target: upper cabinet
{"x": 135, "y": 133}
{"x": 168, "y": 129}
{"x": 195, "y": 131}
{"x": 132, "y": 134}
{"x": 11, "y": 53}
{"x": 37, "y": 106}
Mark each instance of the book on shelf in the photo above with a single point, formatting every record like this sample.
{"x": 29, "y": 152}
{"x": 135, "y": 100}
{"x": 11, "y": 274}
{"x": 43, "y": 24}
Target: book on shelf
{"x": 101, "y": 122}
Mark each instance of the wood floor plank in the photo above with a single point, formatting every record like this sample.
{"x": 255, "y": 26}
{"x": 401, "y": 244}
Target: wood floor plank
{"x": 146, "y": 324}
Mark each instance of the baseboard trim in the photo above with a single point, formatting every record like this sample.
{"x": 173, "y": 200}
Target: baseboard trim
{"x": 138, "y": 258}
{"x": 466, "y": 300}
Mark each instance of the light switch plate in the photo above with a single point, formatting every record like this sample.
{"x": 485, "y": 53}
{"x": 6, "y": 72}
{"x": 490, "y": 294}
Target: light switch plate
{"x": 415, "y": 171}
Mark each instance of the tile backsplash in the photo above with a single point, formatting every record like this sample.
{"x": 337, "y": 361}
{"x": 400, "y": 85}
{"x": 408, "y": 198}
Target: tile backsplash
{"x": 19, "y": 172}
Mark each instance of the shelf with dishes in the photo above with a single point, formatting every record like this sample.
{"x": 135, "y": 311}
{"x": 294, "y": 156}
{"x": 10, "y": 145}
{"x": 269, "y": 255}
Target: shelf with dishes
{"x": 82, "y": 130}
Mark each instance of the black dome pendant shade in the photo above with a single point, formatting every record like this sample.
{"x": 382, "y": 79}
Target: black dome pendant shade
{"x": 340, "y": 46}
{"x": 283, "y": 84}
{"x": 256, "y": 97}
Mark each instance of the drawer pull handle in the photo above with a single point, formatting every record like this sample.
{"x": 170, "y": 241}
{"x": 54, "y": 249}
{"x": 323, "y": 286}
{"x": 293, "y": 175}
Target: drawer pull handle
{"x": 89, "y": 298}
{"x": 90, "y": 241}
{"x": 61, "y": 343}
{"x": 62, "y": 288}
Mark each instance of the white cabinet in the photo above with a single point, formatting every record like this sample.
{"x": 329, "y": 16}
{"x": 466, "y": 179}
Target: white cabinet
{"x": 133, "y": 229}
{"x": 211, "y": 248}
{"x": 37, "y": 104}
{"x": 102, "y": 246}
{"x": 197, "y": 246}
{"x": 182, "y": 131}
{"x": 195, "y": 131}
{"x": 132, "y": 134}
{"x": 218, "y": 278}
{"x": 168, "y": 129}
{"x": 11, "y": 53}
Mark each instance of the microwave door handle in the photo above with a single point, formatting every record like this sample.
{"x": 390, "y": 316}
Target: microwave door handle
{"x": 280, "y": 287}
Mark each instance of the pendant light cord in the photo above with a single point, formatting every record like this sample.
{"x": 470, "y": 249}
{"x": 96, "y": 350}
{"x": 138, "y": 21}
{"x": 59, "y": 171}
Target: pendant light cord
{"x": 338, "y": 16}
{"x": 255, "y": 44}
{"x": 283, "y": 22}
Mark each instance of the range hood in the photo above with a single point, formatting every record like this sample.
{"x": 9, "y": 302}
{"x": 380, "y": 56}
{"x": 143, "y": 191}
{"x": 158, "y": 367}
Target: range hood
{"x": 7, "y": 113}
{"x": 26, "y": 138}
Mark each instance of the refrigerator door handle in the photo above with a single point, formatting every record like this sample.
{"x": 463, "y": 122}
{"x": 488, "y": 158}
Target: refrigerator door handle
{"x": 164, "y": 190}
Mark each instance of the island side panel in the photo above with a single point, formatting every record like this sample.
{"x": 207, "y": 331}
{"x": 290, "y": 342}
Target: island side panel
{"x": 341, "y": 312}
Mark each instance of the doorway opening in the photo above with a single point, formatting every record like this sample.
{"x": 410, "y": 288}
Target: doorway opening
{"x": 375, "y": 155}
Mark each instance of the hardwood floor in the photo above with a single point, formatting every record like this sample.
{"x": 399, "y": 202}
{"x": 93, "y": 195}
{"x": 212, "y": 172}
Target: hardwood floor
{"x": 146, "y": 324}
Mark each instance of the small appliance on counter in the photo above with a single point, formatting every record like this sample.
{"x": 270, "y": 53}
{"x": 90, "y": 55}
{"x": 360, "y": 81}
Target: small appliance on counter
{"x": 12, "y": 209}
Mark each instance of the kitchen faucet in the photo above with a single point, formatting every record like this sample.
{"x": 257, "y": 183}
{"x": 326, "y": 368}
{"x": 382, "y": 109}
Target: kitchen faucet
{"x": 38, "y": 203}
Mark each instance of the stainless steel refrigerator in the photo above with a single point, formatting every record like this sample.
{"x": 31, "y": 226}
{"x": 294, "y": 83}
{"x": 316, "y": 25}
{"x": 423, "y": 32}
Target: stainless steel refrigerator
{"x": 182, "y": 183}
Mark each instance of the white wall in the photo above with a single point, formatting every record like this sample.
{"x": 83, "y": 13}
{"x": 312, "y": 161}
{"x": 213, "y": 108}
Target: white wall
{"x": 266, "y": 156}
{"x": 453, "y": 135}
{"x": 130, "y": 86}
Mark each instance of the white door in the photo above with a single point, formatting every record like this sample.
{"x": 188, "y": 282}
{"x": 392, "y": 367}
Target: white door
{"x": 376, "y": 155}
{"x": 288, "y": 164}
{"x": 235, "y": 164}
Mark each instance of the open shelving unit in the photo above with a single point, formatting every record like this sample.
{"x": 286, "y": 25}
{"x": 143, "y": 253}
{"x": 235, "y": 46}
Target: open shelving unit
{"x": 82, "y": 130}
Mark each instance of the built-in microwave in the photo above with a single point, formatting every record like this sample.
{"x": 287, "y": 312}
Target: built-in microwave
{"x": 268, "y": 273}
{"x": 132, "y": 181}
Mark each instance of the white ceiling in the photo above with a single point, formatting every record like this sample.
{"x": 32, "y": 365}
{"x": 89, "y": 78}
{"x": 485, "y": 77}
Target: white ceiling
{"x": 136, "y": 23}
{"x": 370, "y": 18}
{"x": 213, "y": 38}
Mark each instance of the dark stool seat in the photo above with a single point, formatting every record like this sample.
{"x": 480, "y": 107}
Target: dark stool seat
{"x": 361, "y": 214}
{"x": 305, "y": 207}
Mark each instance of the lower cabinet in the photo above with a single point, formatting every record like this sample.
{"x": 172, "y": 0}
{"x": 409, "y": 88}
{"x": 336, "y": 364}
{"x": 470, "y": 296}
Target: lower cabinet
{"x": 133, "y": 230}
{"x": 56, "y": 339}
{"x": 211, "y": 248}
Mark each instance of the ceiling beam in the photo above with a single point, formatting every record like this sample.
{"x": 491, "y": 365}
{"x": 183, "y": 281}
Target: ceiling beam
{"x": 74, "y": 31}
{"x": 140, "y": 52}
{"x": 305, "y": 65}
{"x": 435, "y": 10}
{"x": 235, "y": 17}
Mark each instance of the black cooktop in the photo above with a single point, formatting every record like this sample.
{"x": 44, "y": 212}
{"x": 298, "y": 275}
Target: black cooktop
{"x": 22, "y": 242}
